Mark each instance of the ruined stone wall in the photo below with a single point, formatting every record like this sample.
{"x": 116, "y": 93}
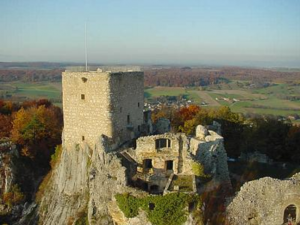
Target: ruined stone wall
{"x": 146, "y": 149}
{"x": 96, "y": 103}
{"x": 208, "y": 149}
{"x": 264, "y": 201}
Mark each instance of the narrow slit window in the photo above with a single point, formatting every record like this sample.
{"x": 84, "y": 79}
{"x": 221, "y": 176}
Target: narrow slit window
{"x": 128, "y": 119}
{"x": 82, "y": 96}
{"x": 82, "y": 138}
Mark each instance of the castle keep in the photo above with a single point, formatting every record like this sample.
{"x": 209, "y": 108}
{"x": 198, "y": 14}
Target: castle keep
{"x": 99, "y": 103}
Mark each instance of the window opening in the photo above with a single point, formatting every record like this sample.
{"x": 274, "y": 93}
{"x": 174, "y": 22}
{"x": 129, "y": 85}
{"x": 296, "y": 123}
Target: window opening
{"x": 148, "y": 163}
{"x": 128, "y": 119}
{"x": 169, "y": 165}
{"x": 162, "y": 143}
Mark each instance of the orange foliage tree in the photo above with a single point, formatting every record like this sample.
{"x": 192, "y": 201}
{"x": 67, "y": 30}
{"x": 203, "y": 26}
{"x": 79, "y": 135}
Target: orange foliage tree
{"x": 5, "y": 126}
{"x": 37, "y": 130}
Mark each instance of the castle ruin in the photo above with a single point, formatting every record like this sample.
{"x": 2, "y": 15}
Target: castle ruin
{"x": 109, "y": 148}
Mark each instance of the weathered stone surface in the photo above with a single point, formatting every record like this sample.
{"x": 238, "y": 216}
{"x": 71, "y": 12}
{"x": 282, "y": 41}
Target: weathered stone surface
{"x": 264, "y": 201}
{"x": 84, "y": 182}
{"x": 201, "y": 132}
{"x": 212, "y": 155}
{"x": 7, "y": 172}
{"x": 102, "y": 103}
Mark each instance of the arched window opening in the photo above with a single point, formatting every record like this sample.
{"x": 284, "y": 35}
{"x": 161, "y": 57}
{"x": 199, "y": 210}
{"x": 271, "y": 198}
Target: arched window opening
{"x": 290, "y": 214}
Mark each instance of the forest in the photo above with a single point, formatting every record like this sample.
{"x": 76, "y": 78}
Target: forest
{"x": 170, "y": 77}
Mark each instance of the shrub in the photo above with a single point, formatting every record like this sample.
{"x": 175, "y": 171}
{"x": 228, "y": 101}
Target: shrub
{"x": 198, "y": 169}
{"x": 56, "y": 156}
{"x": 128, "y": 204}
{"x": 14, "y": 196}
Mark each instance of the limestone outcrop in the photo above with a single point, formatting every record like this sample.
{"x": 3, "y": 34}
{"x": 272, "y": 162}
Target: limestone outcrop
{"x": 81, "y": 186}
{"x": 7, "y": 173}
{"x": 266, "y": 201}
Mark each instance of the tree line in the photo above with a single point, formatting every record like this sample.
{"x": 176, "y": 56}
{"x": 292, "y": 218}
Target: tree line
{"x": 172, "y": 77}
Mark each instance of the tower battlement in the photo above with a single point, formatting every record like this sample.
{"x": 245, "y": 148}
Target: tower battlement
{"x": 99, "y": 103}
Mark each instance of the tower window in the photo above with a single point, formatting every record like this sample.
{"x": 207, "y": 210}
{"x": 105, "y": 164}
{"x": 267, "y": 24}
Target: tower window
{"x": 128, "y": 119}
{"x": 82, "y": 138}
{"x": 82, "y": 96}
{"x": 138, "y": 104}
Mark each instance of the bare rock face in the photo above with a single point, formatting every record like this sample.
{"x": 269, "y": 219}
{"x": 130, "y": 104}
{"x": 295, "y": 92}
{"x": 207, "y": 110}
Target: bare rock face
{"x": 81, "y": 185}
{"x": 266, "y": 201}
{"x": 7, "y": 173}
{"x": 201, "y": 132}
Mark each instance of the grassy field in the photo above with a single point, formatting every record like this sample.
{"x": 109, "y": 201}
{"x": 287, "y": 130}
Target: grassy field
{"x": 23, "y": 90}
{"x": 173, "y": 91}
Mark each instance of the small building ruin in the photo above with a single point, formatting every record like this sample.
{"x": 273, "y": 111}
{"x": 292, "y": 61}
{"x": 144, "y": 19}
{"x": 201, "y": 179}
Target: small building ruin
{"x": 164, "y": 163}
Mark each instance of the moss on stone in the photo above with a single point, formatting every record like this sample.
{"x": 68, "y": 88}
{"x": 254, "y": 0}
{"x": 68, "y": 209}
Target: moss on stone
{"x": 170, "y": 209}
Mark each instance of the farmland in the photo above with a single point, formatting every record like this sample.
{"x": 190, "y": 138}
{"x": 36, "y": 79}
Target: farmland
{"x": 21, "y": 91}
{"x": 243, "y": 90}
{"x": 268, "y": 100}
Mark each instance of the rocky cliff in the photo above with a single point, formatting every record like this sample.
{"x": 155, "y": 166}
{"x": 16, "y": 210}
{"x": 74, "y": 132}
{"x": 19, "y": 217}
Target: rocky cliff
{"x": 81, "y": 185}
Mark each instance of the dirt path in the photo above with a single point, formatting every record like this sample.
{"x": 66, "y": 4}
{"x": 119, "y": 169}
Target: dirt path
{"x": 207, "y": 98}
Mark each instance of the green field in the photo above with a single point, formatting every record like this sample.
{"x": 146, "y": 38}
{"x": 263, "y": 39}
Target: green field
{"x": 21, "y": 90}
{"x": 173, "y": 91}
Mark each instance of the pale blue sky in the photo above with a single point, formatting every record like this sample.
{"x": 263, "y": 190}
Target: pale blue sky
{"x": 233, "y": 32}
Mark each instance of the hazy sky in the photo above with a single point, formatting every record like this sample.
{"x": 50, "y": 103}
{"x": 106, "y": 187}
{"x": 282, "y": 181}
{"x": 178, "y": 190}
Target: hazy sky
{"x": 241, "y": 32}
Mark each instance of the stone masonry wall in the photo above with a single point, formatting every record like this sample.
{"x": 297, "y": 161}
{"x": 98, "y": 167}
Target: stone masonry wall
{"x": 146, "y": 149}
{"x": 208, "y": 148}
{"x": 96, "y": 103}
{"x": 127, "y": 99}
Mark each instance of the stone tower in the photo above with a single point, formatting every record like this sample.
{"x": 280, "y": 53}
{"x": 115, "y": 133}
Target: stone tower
{"x": 99, "y": 103}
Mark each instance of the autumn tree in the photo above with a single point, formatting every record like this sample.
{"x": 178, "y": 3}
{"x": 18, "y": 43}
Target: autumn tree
{"x": 5, "y": 126}
{"x": 37, "y": 130}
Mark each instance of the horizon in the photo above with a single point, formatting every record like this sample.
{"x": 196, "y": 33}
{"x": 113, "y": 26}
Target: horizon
{"x": 219, "y": 33}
